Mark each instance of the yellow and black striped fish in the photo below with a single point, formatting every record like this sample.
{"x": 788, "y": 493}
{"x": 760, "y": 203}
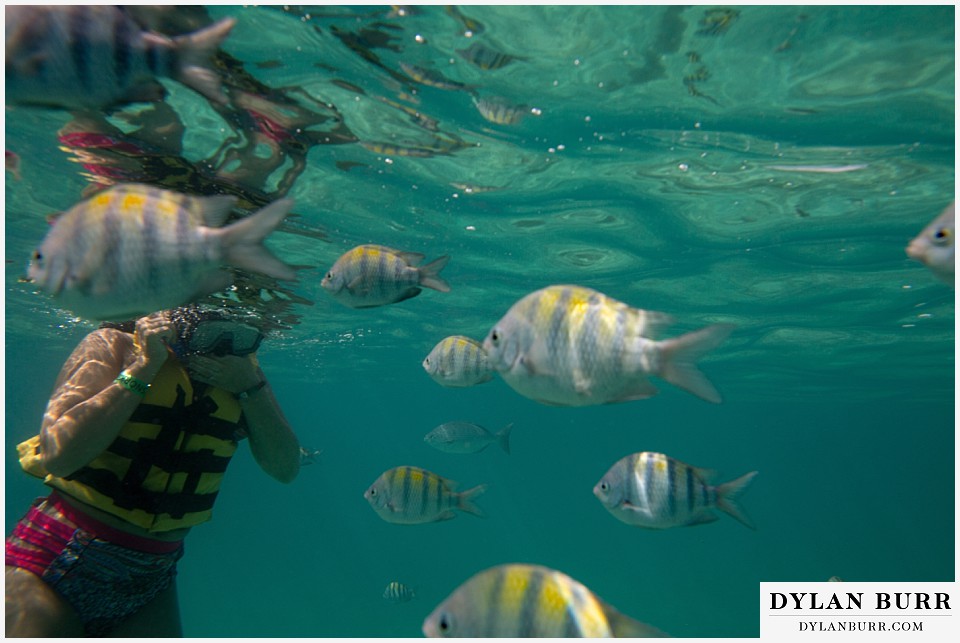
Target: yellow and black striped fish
{"x": 411, "y": 495}
{"x": 458, "y": 361}
{"x": 573, "y": 346}
{"x": 95, "y": 56}
{"x": 521, "y": 601}
{"x": 433, "y": 78}
{"x": 373, "y": 275}
{"x": 134, "y": 249}
{"x": 656, "y": 491}
{"x": 498, "y": 110}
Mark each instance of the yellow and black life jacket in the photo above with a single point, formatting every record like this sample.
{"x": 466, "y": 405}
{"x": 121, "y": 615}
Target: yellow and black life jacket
{"x": 163, "y": 471}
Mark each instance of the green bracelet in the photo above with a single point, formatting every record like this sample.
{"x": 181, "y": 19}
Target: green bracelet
{"x": 131, "y": 383}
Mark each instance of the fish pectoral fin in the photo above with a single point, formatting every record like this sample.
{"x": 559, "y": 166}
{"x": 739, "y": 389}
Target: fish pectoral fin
{"x": 702, "y": 519}
{"x": 447, "y": 515}
{"x": 357, "y": 286}
{"x": 640, "y": 391}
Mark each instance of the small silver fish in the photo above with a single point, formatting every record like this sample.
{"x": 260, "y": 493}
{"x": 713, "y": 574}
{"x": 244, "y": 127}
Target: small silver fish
{"x": 134, "y": 249}
{"x": 372, "y": 275}
{"x": 573, "y": 346}
{"x": 529, "y": 601}
{"x": 655, "y": 491}
{"x": 411, "y": 496}
{"x": 397, "y": 592}
{"x": 458, "y": 361}
{"x": 466, "y": 437}
{"x": 934, "y": 246}
{"x": 834, "y": 579}
{"x": 95, "y": 56}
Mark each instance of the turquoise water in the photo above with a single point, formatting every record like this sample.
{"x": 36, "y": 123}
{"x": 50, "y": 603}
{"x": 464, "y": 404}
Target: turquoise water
{"x": 669, "y": 167}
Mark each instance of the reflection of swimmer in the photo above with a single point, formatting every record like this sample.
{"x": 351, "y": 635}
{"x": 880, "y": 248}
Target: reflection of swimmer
{"x": 143, "y": 421}
{"x": 934, "y": 246}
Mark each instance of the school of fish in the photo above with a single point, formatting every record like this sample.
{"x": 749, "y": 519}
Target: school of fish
{"x": 132, "y": 249}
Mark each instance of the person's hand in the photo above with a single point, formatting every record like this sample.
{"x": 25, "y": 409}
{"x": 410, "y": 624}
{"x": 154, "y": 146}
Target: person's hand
{"x": 231, "y": 373}
{"x": 154, "y": 333}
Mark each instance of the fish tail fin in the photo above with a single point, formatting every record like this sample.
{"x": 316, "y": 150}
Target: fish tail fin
{"x": 465, "y": 501}
{"x": 680, "y": 354}
{"x": 243, "y": 242}
{"x": 430, "y": 274}
{"x": 727, "y": 498}
{"x": 503, "y": 437}
{"x": 195, "y": 51}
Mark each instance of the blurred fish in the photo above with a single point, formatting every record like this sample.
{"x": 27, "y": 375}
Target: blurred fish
{"x": 433, "y": 78}
{"x": 528, "y": 601}
{"x": 471, "y": 27}
{"x": 934, "y": 246}
{"x": 397, "y": 592}
{"x": 95, "y": 56}
{"x": 834, "y": 579}
{"x": 412, "y": 496}
{"x": 372, "y": 275}
{"x": 466, "y": 437}
{"x": 458, "y": 361}
{"x": 309, "y": 456}
{"x": 486, "y": 58}
{"x": 573, "y": 346}
{"x": 655, "y": 491}
{"x": 135, "y": 249}
{"x": 12, "y": 164}
{"x": 499, "y": 111}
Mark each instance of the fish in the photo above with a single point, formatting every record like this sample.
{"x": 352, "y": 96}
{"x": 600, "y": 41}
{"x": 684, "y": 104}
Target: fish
{"x": 519, "y": 600}
{"x": 98, "y": 56}
{"x": 486, "y": 58}
{"x": 397, "y": 592}
{"x": 834, "y": 579}
{"x": 934, "y": 246}
{"x": 499, "y": 111}
{"x": 466, "y": 437}
{"x": 372, "y": 275}
{"x": 134, "y": 249}
{"x": 458, "y": 361}
{"x": 568, "y": 345}
{"x": 655, "y": 491}
{"x": 432, "y": 78}
{"x": 411, "y": 496}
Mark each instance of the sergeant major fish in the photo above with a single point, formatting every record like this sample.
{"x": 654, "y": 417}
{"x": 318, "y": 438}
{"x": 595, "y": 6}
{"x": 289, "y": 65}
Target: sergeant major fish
{"x": 397, "y": 592}
{"x": 95, "y": 56}
{"x": 934, "y": 246}
{"x": 411, "y": 495}
{"x": 466, "y": 437}
{"x": 372, "y": 275}
{"x": 458, "y": 361}
{"x": 498, "y": 110}
{"x": 573, "y": 346}
{"x": 656, "y": 491}
{"x": 135, "y": 249}
{"x": 527, "y": 601}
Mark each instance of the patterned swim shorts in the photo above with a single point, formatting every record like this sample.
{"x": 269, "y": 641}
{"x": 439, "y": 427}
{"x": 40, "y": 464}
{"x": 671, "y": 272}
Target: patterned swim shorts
{"x": 105, "y": 583}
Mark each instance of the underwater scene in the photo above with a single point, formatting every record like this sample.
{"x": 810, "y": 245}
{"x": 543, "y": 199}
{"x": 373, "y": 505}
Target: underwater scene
{"x": 694, "y": 354}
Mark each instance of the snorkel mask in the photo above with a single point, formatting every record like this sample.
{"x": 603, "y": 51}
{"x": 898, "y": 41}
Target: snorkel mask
{"x": 211, "y": 332}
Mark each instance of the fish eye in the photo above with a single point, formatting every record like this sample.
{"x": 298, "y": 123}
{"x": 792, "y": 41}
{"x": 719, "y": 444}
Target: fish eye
{"x": 373, "y": 491}
{"x": 495, "y": 336}
{"x": 941, "y": 236}
{"x": 604, "y": 486}
{"x": 37, "y": 255}
{"x": 329, "y": 275}
{"x": 445, "y": 623}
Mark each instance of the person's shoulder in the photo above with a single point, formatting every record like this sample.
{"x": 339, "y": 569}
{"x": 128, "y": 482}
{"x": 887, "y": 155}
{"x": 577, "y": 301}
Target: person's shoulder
{"x": 108, "y": 340}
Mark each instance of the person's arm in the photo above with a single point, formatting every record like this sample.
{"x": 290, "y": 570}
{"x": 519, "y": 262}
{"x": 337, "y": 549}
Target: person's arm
{"x": 273, "y": 443}
{"x": 88, "y": 408}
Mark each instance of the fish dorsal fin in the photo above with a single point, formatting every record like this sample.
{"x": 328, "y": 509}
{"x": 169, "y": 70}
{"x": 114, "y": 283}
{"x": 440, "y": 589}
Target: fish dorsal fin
{"x": 214, "y": 210}
{"x": 411, "y": 258}
{"x": 623, "y": 626}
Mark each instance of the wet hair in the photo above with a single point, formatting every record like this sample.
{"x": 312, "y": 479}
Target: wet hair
{"x": 124, "y": 326}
